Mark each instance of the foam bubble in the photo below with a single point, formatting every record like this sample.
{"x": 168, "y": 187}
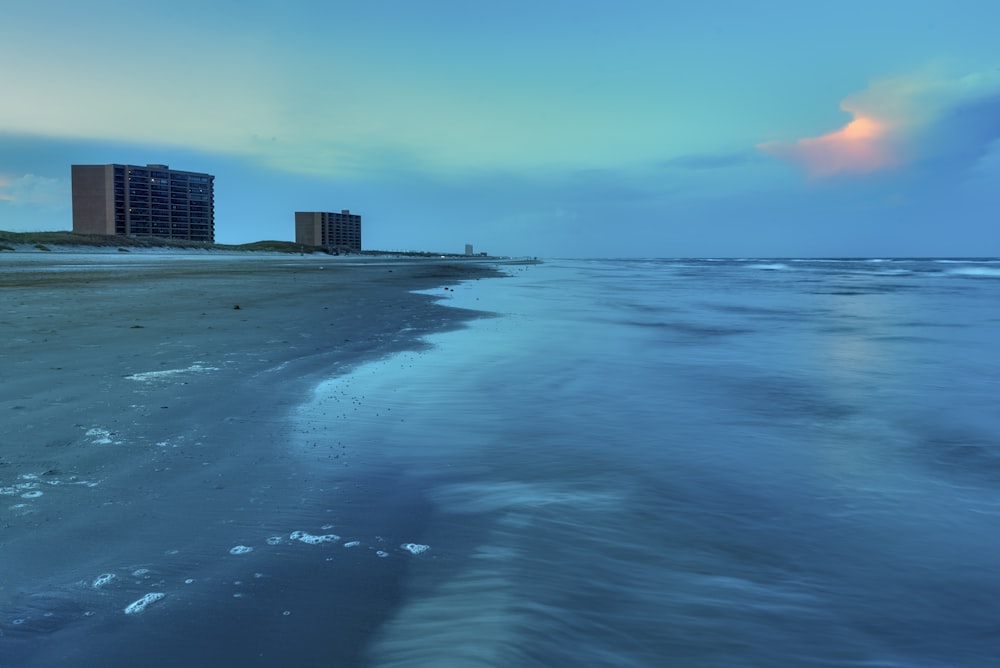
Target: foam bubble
{"x": 101, "y": 436}
{"x": 148, "y": 376}
{"x": 22, "y": 489}
{"x": 139, "y": 572}
{"x": 102, "y": 579}
{"x": 139, "y": 606}
{"x": 382, "y": 554}
{"x": 240, "y": 549}
{"x": 415, "y": 548}
{"x": 275, "y": 540}
{"x": 353, "y": 543}
{"x": 309, "y": 538}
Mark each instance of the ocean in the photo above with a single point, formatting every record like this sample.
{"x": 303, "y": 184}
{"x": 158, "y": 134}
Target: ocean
{"x": 700, "y": 463}
{"x": 621, "y": 463}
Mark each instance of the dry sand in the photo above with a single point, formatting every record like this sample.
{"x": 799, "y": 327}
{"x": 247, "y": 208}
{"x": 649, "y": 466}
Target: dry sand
{"x": 140, "y": 409}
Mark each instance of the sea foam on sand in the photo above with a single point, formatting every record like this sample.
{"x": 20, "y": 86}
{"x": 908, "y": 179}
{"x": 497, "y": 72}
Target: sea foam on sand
{"x": 140, "y": 606}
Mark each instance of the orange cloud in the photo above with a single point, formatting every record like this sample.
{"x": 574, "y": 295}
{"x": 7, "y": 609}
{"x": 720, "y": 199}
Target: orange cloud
{"x": 898, "y": 121}
{"x": 862, "y": 146}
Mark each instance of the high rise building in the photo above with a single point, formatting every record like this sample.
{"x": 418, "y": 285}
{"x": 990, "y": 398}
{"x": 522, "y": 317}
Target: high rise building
{"x": 150, "y": 201}
{"x": 329, "y": 230}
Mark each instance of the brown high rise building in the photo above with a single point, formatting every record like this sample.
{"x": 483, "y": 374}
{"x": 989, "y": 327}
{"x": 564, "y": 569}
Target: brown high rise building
{"x": 150, "y": 201}
{"x": 329, "y": 230}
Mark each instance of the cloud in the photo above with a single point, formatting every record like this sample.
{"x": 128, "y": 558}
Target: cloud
{"x": 35, "y": 190}
{"x": 902, "y": 122}
{"x": 864, "y": 145}
{"x": 710, "y": 161}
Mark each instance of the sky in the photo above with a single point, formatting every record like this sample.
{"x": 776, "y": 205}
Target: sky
{"x": 550, "y": 128}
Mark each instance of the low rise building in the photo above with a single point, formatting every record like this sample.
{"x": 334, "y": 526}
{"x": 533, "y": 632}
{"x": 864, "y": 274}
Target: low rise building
{"x": 329, "y": 230}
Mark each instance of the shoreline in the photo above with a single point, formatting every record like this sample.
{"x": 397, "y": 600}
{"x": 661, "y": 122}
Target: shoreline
{"x": 73, "y": 242}
{"x": 145, "y": 415}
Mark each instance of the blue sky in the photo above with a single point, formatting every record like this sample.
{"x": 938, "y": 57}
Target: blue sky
{"x": 633, "y": 128}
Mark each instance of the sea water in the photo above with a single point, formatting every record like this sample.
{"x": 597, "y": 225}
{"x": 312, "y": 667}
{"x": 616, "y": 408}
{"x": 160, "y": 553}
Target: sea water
{"x": 697, "y": 463}
{"x": 622, "y": 463}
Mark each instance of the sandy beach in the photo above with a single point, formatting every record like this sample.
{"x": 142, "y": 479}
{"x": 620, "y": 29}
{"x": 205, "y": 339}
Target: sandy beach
{"x": 144, "y": 403}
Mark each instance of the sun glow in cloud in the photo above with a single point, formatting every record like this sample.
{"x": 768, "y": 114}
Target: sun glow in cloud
{"x": 899, "y": 122}
{"x": 862, "y": 146}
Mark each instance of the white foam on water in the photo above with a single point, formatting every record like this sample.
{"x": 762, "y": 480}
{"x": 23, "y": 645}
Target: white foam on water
{"x": 275, "y": 540}
{"x": 894, "y": 272}
{"x": 140, "y": 606}
{"x": 240, "y": 549}
{"x": 415, "y": 548}
{"x": 139, "y": 572}
{"x": 988, "y": 272}
{"x": 311, "y": 539}
{"x": 103, "y": 579}
{"x": 486, "y": 497}
{"x": 32, "y": 481}
{"x": 353, "y": 543}
{"x": 479, "y": 614}
{"x": 771, "y": 266}
{"x": 20, "y": 489}
{"x": 382, "y": 554}
{"x": 149, "y": 376}
{"x": 101, "y": 436}
{"x": 472, "y": 619}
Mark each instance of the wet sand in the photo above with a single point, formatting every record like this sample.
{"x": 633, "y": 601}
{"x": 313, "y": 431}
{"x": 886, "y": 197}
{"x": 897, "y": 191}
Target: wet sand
{"x": 143, "y": 415}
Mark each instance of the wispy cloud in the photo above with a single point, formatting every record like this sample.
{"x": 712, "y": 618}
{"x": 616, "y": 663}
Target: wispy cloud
{"x": 30, "y": 189}
{"x": 711, "y": 161}
{"x": 900, "y": 122}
